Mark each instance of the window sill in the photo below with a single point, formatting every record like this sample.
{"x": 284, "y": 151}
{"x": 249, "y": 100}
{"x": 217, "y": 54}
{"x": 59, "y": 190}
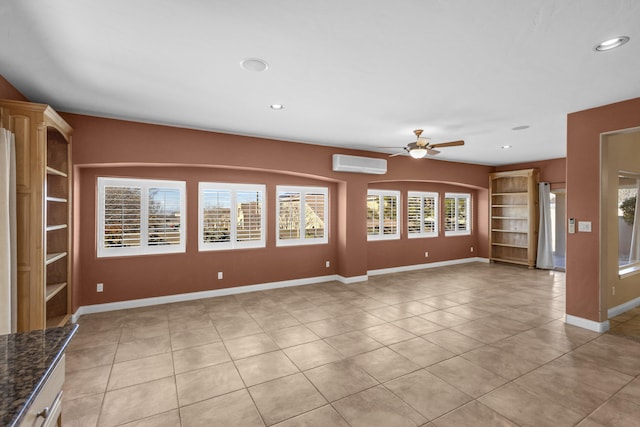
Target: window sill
{"x": 629, "y": 270}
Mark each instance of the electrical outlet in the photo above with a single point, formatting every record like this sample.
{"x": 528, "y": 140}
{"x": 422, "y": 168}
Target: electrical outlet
{"x": 613, "y": 290}
{"x": 219, "y": 275}
{"x": 99, "y": 287}
{"x": 327, "y": 264}
{"x": 426, "y": 254}
{"x": 471, "y": 248}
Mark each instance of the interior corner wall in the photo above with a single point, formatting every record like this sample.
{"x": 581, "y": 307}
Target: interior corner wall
{"x": 584, "y": 129}
{"x": 8, "y": 91}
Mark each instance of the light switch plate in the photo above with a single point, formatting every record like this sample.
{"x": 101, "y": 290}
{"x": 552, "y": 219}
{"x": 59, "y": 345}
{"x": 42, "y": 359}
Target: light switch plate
{"x": 584, "y": 226}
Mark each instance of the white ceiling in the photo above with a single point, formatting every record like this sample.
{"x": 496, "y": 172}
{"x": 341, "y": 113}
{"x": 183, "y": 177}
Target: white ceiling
{"x": 351, "y": 73}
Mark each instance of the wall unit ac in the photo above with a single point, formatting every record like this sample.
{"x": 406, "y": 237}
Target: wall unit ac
{"x": 356, "y": 164}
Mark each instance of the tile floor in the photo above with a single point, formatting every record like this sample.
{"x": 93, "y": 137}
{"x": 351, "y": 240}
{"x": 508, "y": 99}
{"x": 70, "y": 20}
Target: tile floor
{"x": 467, "y": 345}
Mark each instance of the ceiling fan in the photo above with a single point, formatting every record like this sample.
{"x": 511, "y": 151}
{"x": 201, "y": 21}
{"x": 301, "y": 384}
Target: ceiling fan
{"x": 421, "y": 147}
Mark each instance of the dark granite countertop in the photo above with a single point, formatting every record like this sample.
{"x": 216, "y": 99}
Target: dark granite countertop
{"x": 26, "y": 361}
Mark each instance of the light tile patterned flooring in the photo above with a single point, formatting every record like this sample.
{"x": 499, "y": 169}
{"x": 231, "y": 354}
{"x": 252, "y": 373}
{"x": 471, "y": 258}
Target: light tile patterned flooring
{"x": 467, "y": 345}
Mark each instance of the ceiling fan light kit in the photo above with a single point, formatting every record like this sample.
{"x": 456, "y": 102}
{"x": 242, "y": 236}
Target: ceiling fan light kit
{"x": 422, "y": 147}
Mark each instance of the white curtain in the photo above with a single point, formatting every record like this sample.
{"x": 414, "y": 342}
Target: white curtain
{"x": 8, "y": 275}
{"x": 545, "y": 250}
{"x": 634, "y": 253}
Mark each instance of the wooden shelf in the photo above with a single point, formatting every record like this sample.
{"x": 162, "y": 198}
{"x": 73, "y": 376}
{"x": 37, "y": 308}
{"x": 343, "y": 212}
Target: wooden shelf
{"x": 52, "y": 290}
{"x": 507, "y": 245}
{"x": 53, "y": 171}
{"x": 513, "y": 216}
{"x": 51, "y": 258}
{"x": 56, "y": 321}
{"x": 56, "y": 199}
{"x": 56, "y": 227}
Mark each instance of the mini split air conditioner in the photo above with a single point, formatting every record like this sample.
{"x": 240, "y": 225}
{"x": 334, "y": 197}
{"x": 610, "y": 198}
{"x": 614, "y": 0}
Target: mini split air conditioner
{"x": 356, "y": 164}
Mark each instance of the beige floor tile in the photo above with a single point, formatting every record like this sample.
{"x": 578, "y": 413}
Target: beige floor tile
{"x": 553, "y": 385}
{"x": 438, "y": 302}
{"x": 193, "y": 358}
{"x": 250, "y": 345}
{"x": 529, "y": 409}
{"x": 205, "y": 383}
{"x": 265, "y": 367}
{"x": 441, "y": 317}
{"x": 313, "y": 354}
{"x": 504, "y": 364}
{"x": 293, "y": 335}
{"x": 277, "y": 320}
{"x": 165, "y": 419}
{"x": 233, "y": 409}
{"x": 390, "y": 313}
{"x": 504, "y": 324}
{"x": 86, "y": 382}
{"x": 588, "y": 373}
{"x": 361, "y": 320}
{"x": 388, "y": 334}
{"x": 322, "y": 417}
{"x": 84, "y": 339}
{"x": 631, "y": 391}
{"x": 415, "y": 308}
{"x": 618, "y": 412}
{"x": 529, "y": 348}
{"x": 194, "y": 337}
{"x": 90, "y": 357}
{"x": 378, "y": 406}
{"x": 467, "y": 312}
{"x": 142, "y": 348}
{"x": 193, "y": 321}
{"x": 467, "y": 377}
{"x": 352, "y": 343}
{"x": 340, "y": 379}
{"x": 285, "y": 397}
{"x": 307, "y": 315}
{"x": 384, "y": 364}
{"x": 417, "y": 325}
{"x": 329, "y": 327}
{"x": 481, "y": 332}
{"x": 473, "y": 414}
{"x": 427, "y": 394}
{"x": 82, "y": 412}
{"x": 617, "y": 353}
{"x": 139, "y": 371}
{"x": 237, "y": 328}
{"x": 453, "y": 341}
{"x": 138, "y": 333}
{"x": 138, "y": 402}
{"x": 421, "y": 351}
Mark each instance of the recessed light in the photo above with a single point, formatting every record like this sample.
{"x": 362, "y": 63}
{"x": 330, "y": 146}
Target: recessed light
{"x": 277, "y": 107}
{"x": 523, "y": 127}
{"x": 254, "y": 64}
{"x": 506, "y": 147}
{"x": 611, "y": 43}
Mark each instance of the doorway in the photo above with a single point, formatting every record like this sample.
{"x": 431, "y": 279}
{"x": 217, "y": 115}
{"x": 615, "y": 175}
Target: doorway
{"x": 558, "y": 228}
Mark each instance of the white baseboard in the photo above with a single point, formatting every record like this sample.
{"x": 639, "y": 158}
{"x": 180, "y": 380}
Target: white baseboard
{"x": 591, "y": 325}
{"x": 619, "y": 309}
{"x": 144, "y": 302}
{"x": 424, "y": 266}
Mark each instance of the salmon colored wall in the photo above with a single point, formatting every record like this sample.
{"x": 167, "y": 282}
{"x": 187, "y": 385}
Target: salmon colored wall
{"x": 583, "y": 201}
{"x": 553, "y": 171}
{"x": 410, "y": 251}
{"x": 8, "y": 91}
{"x": 141, "y": 150}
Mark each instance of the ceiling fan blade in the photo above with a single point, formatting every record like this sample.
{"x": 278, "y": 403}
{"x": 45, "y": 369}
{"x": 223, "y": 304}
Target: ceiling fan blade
{"x": 447, "y": 144}
{"x": 396, "y": 154}
{"x": 432, "y": 152}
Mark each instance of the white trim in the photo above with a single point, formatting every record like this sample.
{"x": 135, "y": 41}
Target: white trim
{"x": 425, "y": 266}
{"x": 587, "y": 324}
{"x": 622, "y": 308}
{"x": 145, "y": 302}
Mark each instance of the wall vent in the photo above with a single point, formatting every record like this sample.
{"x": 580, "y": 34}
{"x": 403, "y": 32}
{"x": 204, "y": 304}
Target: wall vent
{"x": 356, "y": 164}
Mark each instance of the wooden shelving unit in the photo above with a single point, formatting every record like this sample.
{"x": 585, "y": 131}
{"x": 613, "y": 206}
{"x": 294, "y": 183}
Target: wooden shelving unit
{"x": 514, "y": 216}
{"x": 43, "y": 184}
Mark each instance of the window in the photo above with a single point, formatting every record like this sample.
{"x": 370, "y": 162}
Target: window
{"x": 628, "y": 224}
{"x": 422, "y": 214}
{"x": 457, "y": 214}
{"x": 230, "y": 216}
{"x": 140, "y": 216}
{"x": 302, "y": 215}
{"x": 383, "y": 214}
